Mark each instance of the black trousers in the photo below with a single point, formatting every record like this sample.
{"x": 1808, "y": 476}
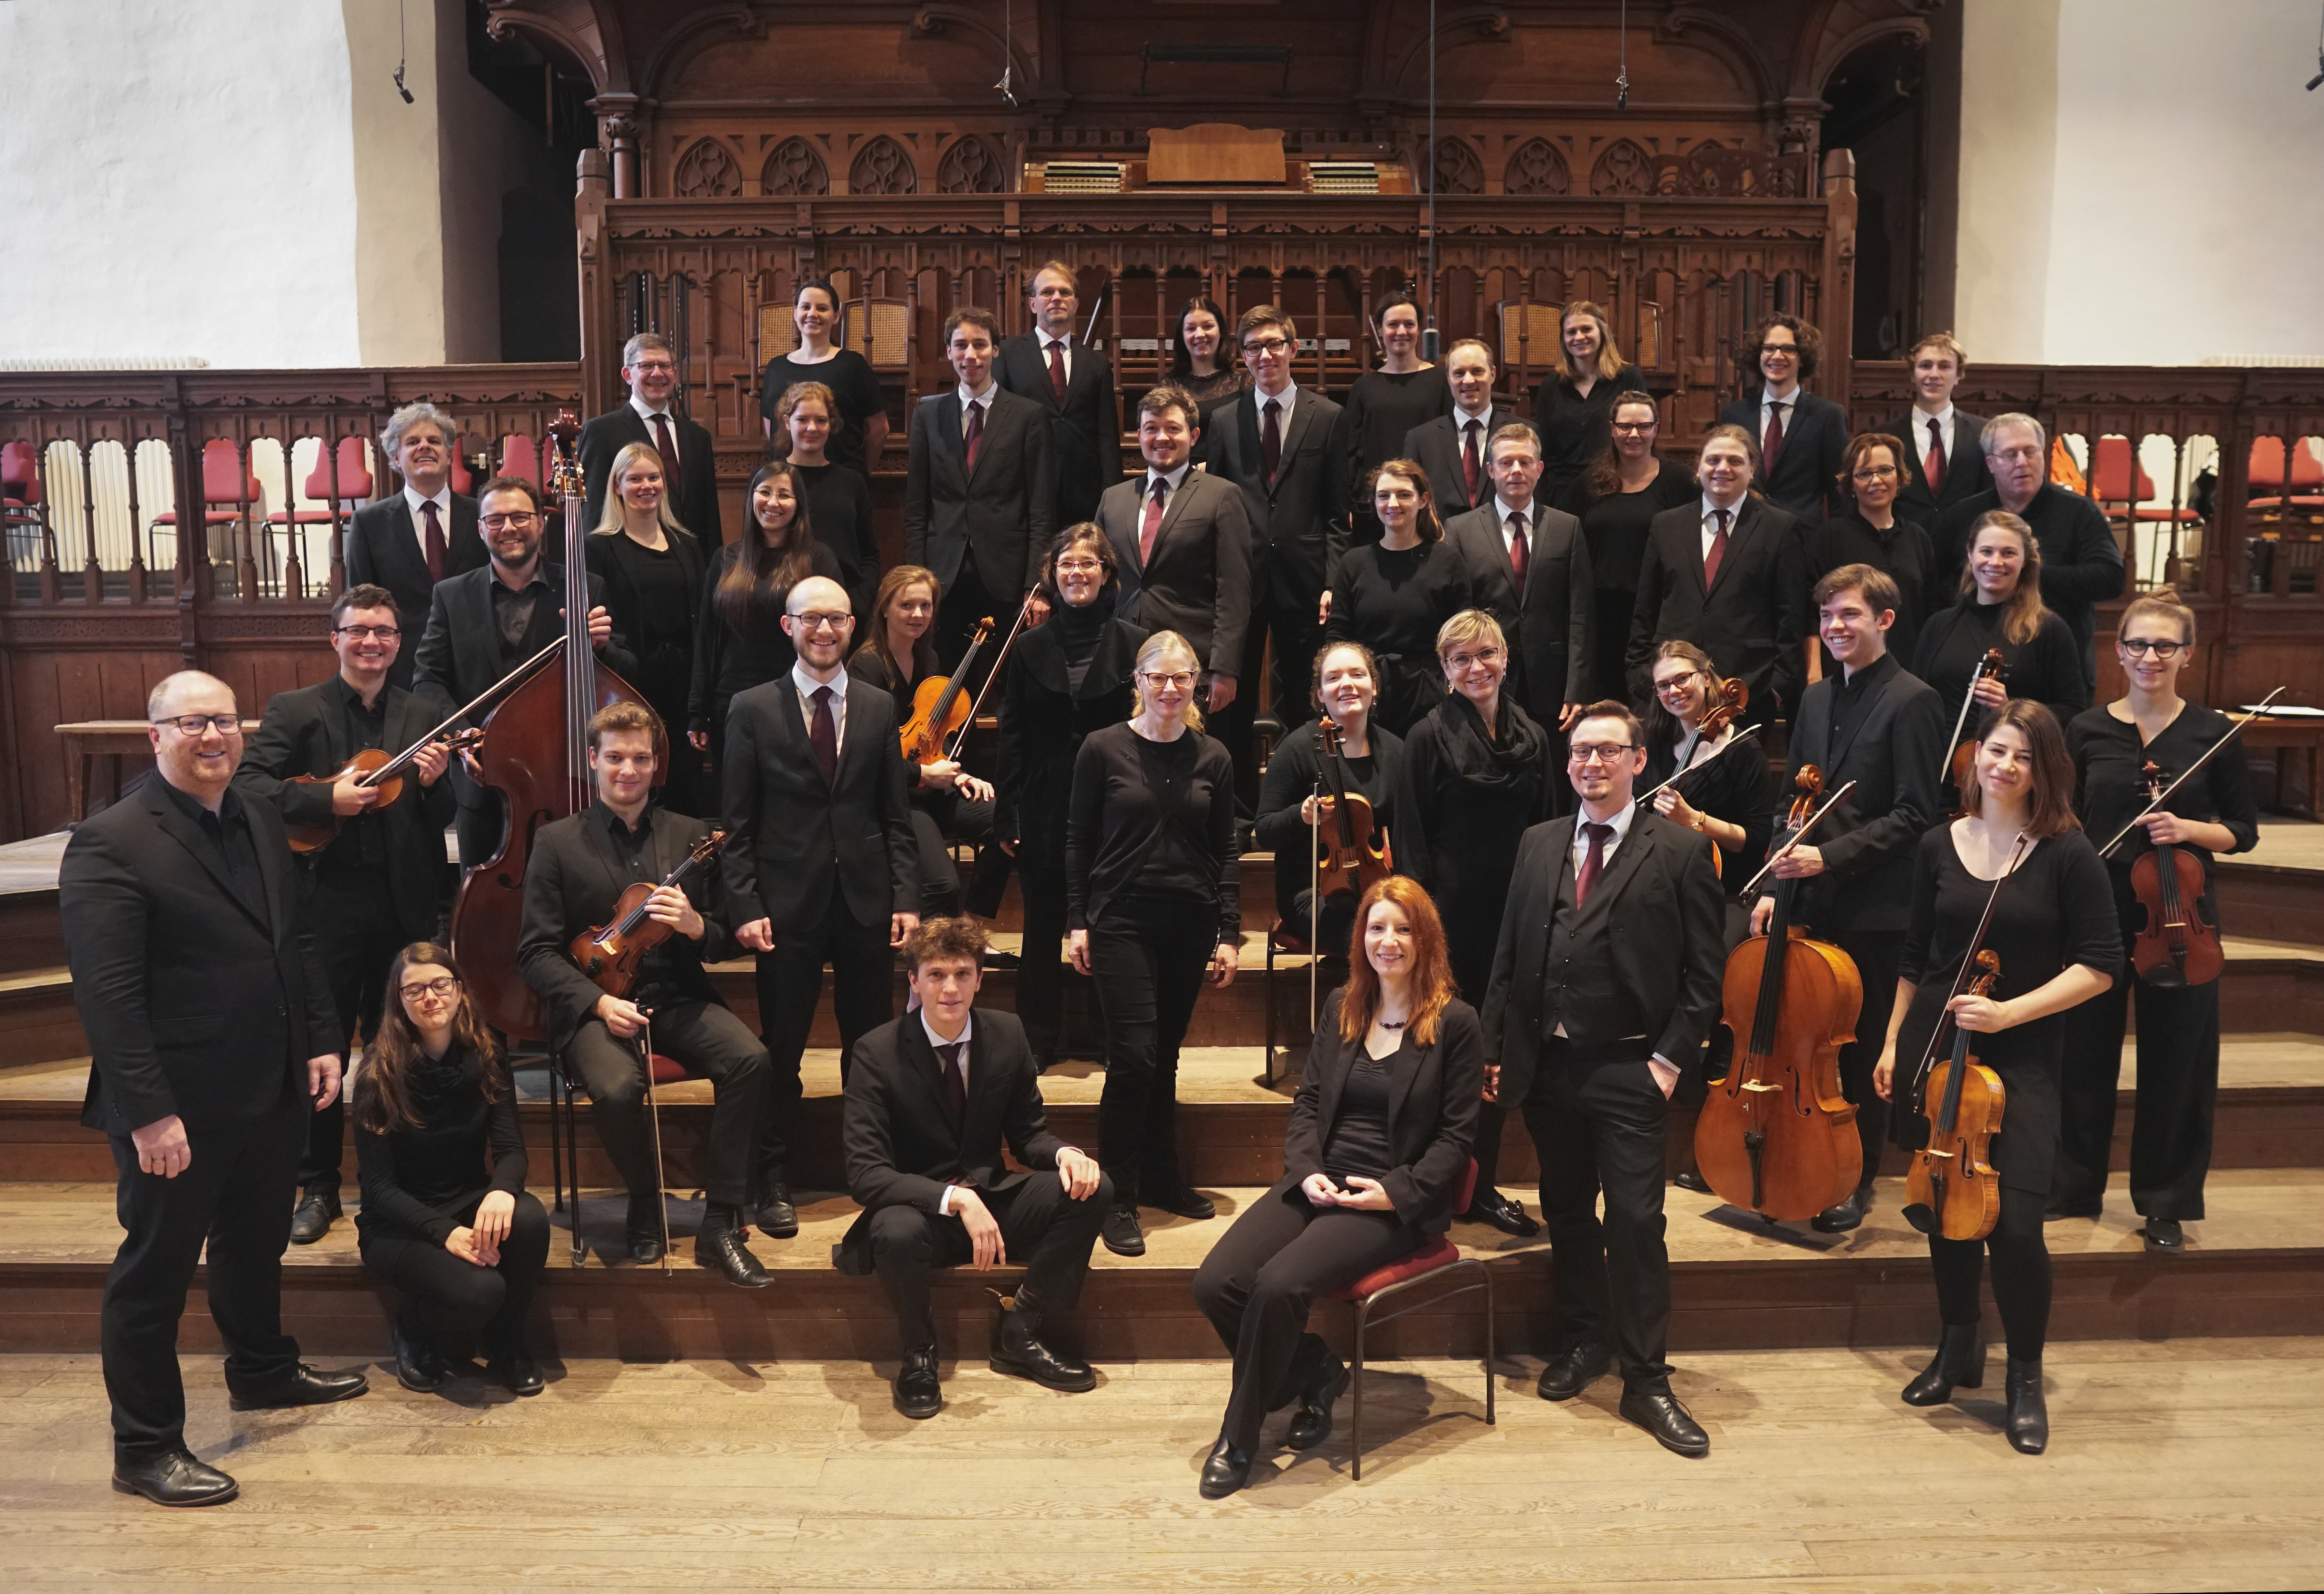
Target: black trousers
{"x": 355, "y": 919}
{"x": 707, "y": 1039}
{"x": 965, "y": 602}
{"x": 1043, "y": 1230}
{"x": 449, "y": 1300}
{"x": 2178, "y": 1094}
{"x": 477, "y": 823}
{"x": 790, "y": 983}
{"x": 1492, "y": 1117}
{"x": 1257, "y": 1282}
{"x": 1601, "y": 1126}
{"x": 234, "y": 1197}
{"x": 1281, "y": 640}
{"x": 2021, "y": 1274}
{"x": 936, "y": 824}
{"x": 1147, "y": 957}
{"x": 1040, "y": 976}
{"x": 1875, "y": 955}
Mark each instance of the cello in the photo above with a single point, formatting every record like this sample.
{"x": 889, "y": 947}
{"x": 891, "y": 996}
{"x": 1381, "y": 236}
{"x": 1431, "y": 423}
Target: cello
{"x": 1776, "y": 1137}
{"x": 536, "y": 755}
{"x": 1352, "y": 846}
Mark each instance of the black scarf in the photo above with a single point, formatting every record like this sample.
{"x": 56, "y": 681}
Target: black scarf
{"x": 1515, "y": 758}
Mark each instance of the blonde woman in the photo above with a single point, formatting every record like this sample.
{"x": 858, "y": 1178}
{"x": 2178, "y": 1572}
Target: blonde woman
{"x": 652, "y": 570}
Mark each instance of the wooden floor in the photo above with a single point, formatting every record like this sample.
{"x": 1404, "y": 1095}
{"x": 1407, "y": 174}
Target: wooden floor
{"x": 2184, "y": 1466}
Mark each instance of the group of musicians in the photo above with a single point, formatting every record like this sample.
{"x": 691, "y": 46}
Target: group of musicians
{"x": 256, "y": 913}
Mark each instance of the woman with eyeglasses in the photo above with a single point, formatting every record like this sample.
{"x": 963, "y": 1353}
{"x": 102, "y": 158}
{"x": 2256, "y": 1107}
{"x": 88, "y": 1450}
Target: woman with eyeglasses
{"x": 1731, "y": 797}
{"x": 1478, "y": 773}
{"x": 1203, "y": 362}
{"x": 446, "y": 1216}
{"x": 1153, "y": 898}
{"x": 1345, "y": 688}
{"x": 1870, "y": 532}
{"x": 652, "y": 570}
{"x": 862, "y": 412}
{"x": 1576, "y": 397}
{"x": 1395, "y": 595}
{"x": 838, "y": 498}
{"x": 1616, "y": 498}
{"x": 2149, "y": 731}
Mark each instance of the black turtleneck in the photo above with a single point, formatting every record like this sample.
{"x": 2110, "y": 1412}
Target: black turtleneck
{"x": 1078, "y": 629}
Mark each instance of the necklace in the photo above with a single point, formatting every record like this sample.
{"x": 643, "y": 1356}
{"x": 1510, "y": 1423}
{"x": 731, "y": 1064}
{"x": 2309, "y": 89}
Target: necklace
{"x": 1399, "y": 1024}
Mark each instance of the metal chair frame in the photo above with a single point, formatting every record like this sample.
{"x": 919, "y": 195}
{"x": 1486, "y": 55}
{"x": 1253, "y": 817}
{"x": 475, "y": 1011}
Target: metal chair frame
{"x": 1482, "y": 1279}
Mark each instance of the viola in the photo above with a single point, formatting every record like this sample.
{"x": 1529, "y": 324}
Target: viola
{"x": 2175, "y": 946}
{"x": 609, "y": 954}
{"x": 372, "y": 766}
{"x": 1951, "y": 1190}
{"x": 940, "y": 705}
{"x": 1352, "y": 846}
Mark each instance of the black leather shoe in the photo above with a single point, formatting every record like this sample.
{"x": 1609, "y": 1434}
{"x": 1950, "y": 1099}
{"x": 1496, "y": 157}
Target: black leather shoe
{"x": 2164, "y": 1234}
{"x": 1225, "y": 1471}
{"x": 917, "y": 1393}
{"x": 1311, "y": 1425}
{"x": 1569, "y": 1374}
{"x": 719, "y": 1246}
{"x": 1491, "y": 1208}
{"x": 2029, "y": 1413}
{"x": 302, "y": 1386}
{"x": 994, "y": 959}
{"x": 1658, "y": 1412}
{"x": 1181, "y": 1201}
{"x": 519, "y": 1374}
{"x": 319, "y": 1205}
{"x": 1959, "y": 1364}
{"x": 1845, "y": 1215}
{"x": 642, "y": 1230}
{"x": 1691, "y": 1180}
{"x": 775, "y": 1215}
{"x": 174, "y": 1479}
{"x": 1121, "y": 1234}
{"x": 2057, "y": 1209}
{"x": 1017, "y": 1350}
{"x": 419, "y": 1365}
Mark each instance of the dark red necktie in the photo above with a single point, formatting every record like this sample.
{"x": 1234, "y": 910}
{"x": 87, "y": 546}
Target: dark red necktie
{"x": 824, "y": 736}
{"x": 432, "y": 539}
{"x": 1470, "y": 464}
{"x": 976, "y": 432}
{"x": 1057, "y": 369}
{"x": 1520, "y": 556}
{"x": 955, "y": 1087}
{"x": 1270, "y": 436}
{"x": 1773, "y": 443}
{"x": 1151, "y": 528}
{"x": 668, "y": 448}
{"x": 1933, "y": 467}
{"x": 1594, "y": 864}
{"x": 1718, "y": 554}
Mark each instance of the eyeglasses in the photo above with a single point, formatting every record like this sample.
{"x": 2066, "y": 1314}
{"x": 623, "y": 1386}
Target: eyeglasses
{"x": 2135, "y": 646}
{"x": 2016, "y": 455}
{"x": 517, "y": 518}
{"x": 664, "y": 366}
{"x": 1633, "y": 428}
{"x": 1264, "y": 345}
{"x": 1677, "y": 682}
{"x": 817, "y": 620}
{"x": 1180, "y": 679}
{"x": 1608, "y": 753}
{"x": 1457, "y": 662}
{"x": 365, "y": 634}
{"x": 1878, "y": 473}
{"x": 1792, "y": 349}
{"x": 194, "y": 724}
{"x": 442, "y": 988}
{"x": 1085, "y": 566}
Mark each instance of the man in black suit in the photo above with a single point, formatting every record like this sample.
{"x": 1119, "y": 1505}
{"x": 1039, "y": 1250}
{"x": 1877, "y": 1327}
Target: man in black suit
{"x": 650, "y": 367}
{"x": 1605, "y": 982}
{"x": 1944, "y": 461}
{"x": 1073, "y": 385}
{"x": 980, "y": 489}
{"x": 1727, "y": 573}
{"x": 1878, "y": 724}
{"x": 578, "y": 868}
{"x": 212, "y": 1040}
{"x": 483, "y": 623}
{"x": 1801, "y": 439}
{"x": 820, "y": 862}
{"x": 1531, "y": 568}
{"x": 931, "y": 1099}
{"x": 410, "y": 542}
{"x": 373, "y": 891}
{"x": 1182, "y": 538}
{"x": 1456, "y": 449}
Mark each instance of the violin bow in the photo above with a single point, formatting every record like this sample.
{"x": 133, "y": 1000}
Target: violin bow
{"x": 1798, "y": 836}
{"x": 2162, "y": 797}
{"x": 991, "y": 675}
{"x": 653, "y": 1118}
{"x": 387, "y": 770}
{"x": 1742, "y": 737}
{"x": 1945, "y": 759}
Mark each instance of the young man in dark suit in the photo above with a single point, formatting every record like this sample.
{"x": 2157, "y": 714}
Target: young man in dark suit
{"x": 410, "y": 542}
{"x": 578, "y": 868}
{"x": 1878, "y": 724}
{"x": 372, "y": 891}
{"x": 931, "y": 1099}
{"x": 821, "y": 864}
{"x": 980, "y": 489}
{"x": 1801, "y": 439}
{"x": 212, "y": 1041}
{"x": 1605, "y": 985}
{"x": 650, "y": 367}
{"x": 1944, "y": 461}
{"x": 1073, "y": 385}
{"x": 1454, "y": 449}
{"x": 1531, "y": 568}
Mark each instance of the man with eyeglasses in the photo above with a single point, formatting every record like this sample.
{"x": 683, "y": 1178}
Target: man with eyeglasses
{"x": 212, "y": 1041}
{"x": 410, "y": 542}
{"x": 373, "y": 889}
{"x": 650, "y": 368}
{"x": 1944, "y": 462}
{"x": 1073, "y": 384}
{"x": 1605, "y": 982}
{"x": 1800, "y": 436}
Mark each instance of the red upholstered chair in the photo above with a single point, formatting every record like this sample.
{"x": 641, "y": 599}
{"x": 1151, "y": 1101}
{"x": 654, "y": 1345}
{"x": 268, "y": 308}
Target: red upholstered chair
{"x": 2275, "y": 488}
{"x": 1438, "y": 1260}
{"x": 565, "y": 1133}
{"x": 229, "y": 484}
{"x": 352, "y": 488}
{"x": 519, "y": 457}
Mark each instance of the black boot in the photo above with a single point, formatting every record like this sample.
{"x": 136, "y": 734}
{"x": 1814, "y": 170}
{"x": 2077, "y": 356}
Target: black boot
{"x": 1959, "y": 1364}
{"x": 719, "y": 1246}
{"x": 1017, "y": 1350}
{"x": 918, "y": 1395}
{"x": 1846, "y": 1215}
{"x": 1311, "y": 1425}
{"x": 419, "y": 1365}
{"x": 642, "y": 1228}
{"x": 2028, "y": 1423}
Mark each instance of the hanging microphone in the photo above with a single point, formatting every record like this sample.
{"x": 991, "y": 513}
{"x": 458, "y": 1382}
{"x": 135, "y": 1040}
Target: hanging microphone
{"x": 1429, "y": 344}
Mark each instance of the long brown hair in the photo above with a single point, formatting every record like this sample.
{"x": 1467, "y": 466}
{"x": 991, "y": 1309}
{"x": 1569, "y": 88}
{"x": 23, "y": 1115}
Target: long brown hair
{"x": 798, "y": 393}
{"x": 382, "y": 1095}
{"x": 1428, "y": 527}
{"x": 891, "y": 587}
{"x": 1662, "y": 725}
{"x": 1432, "y": 985}
{"x": 2051, "y": 809}
{"x": 1610, "y": 358}
{"x": 755, "y": 586}
{"x": 1605, "y": 477}
{"x": 2021, "y": 618}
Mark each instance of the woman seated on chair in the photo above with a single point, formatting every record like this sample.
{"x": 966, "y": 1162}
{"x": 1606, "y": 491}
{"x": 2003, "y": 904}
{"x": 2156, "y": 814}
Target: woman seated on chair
{"x": 1373, "y": 1164}
{"x": 446, "y": 1214}
{"x": 1346, "y": 687}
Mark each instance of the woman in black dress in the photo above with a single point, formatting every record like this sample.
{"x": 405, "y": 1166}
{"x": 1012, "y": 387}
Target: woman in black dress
{"x": 1394, "y": 596}
{"x": 1202, "y": 362}
{"x": 1066, "y": 677}
{"x": 1575, "y": 400}
{"x": 2053, "y": 929}
{"x": 838, "y": 498}
{"x": 1870, "y": 533}
{"x": 1154, "y": 900}
{"x": 652, "y": 570}
{"x": 1476, "y": 775}
{"x": 1383, "y": 405}
{"x": 1380, "y": 1136}
{"x": 446, "y": 1216}
{"x": 1616, "y": 499}
{"x": 2114, "y": 746}
{"x": 1345, "y": 688}
{"x": 1728, "y": 795}
{"x": 862, "y": 434}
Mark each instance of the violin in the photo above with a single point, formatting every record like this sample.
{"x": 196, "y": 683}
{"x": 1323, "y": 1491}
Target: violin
{"x": 609, "y": 954}
{"x": 1951, "y": 1190}
{"x": 1960, "y": 756}
{"x": 1776, "y": 1137}
{"x": 372, "y": 766}
{"x": 940, "y": 705}
{"x": 1730, "y": 700}
{"x": 1352, "y": 846}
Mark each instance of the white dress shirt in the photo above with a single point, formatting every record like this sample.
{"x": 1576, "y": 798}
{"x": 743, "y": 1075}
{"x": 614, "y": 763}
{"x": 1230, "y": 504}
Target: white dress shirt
{"x": 1176, "y": 479}
{"x": 805, "y": 685}
{"x": 1919, "y": 441}
{"x": 1283, "y": 401}
{"x": 1064, "y": 347}
{"x": 982, "y": 400}
{"x": 1504, "y": 509}
{"x": 1768, "y": 399}
{"x": 1710, "y": 524}
{"x": 646, "y": 412}
{"x": 936, "y": 1042}
{"x": 443, "y": 502}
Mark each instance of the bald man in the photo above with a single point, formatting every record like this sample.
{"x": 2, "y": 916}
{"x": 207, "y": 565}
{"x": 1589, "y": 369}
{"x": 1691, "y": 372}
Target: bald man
{"x": 212, "y": 1041}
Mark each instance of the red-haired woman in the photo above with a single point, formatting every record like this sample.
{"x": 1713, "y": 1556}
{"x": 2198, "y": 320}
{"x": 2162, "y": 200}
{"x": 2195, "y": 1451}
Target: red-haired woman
{"x": 1373, "y": 1162}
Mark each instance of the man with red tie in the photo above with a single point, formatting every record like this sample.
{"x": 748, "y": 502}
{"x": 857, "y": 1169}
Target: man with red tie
{"x": 410, "y": 542}
{"x": 690, "y": 464}
{"x": 1944, "y": 461}
{"x": 1074, "y": 385}
{"x": 1530, "y": 567}
{"x": 1801, "y": 438}
{"x": 1453, "y": 449}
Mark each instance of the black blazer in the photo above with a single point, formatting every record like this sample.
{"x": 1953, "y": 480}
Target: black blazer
{"x": 902, "y": 1150}
{"x": 459, "y": 654}
{"x": 1807, "y": 466}
{"x": 1084, "y": 430}
{"x": 1299, "y": 520}
{"x": 1433, "y": 1100}
{"x": 384, "y": 549}
{"x": 1966, "y": 473}
{"x": 1549, "y": 626}
{"x": 304, "y": 733}
{"x": 1750, "y": 621}
{"x": 1657, "y": 916}
{"x": 791, "y": 835}
{"x": 1043, "y": 719}
{"x": 693, "y": 497}
{"x": 1867, "y": 842}
{"x": 1006, "y": 510}
{"x": 1435, "y": 447}
{"x": 192, "y": 1007}
{"x": 1199, "y": 583}
{"x": 623, "y": 600}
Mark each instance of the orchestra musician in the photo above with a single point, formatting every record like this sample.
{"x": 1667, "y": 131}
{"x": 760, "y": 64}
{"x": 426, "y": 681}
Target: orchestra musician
{"x": 410, "y": 542}
{"x": 1072, "y": 384}
{"x": 856, "y": 412}
{"x": 1454, "y": 449}
{"x": 690, "y": 463}
{"x": 2053, "y": 928}
{"x": 1395, "y": 595}
{"x": 651, "y": 567}
{"x": 1617, "y": 497}
{"x": 1383, "y": 407}
{"x": 1945, "y": 457}
{"x": 372, "y": 888}
{"x": 1800, "y": 436}
{"x": 1873, "y": 531}
{"x": 1531, "y": 568}
{"x": 1201, "y": 362}
{"x": 578, "y": 869}
{"x": 837, "y": 497}
{"x": 1577, "y": 394}
{"x": 1296, "y": 797}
